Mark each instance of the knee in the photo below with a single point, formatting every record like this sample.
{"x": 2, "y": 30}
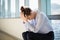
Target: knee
{"x": 24, "y": 33}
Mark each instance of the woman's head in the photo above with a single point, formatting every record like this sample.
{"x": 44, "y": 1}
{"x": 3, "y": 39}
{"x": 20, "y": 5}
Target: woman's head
{"x": 22, "y": 9}
{"x": 26, "y": 11}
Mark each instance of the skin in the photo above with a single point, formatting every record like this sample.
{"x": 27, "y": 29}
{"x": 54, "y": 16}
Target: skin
{"x": 30, "y": 17}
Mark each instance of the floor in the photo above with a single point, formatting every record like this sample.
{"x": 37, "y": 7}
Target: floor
{"x": 4, "y": 36}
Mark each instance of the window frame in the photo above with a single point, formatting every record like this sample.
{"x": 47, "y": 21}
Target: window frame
{"x": 47, "y": 10}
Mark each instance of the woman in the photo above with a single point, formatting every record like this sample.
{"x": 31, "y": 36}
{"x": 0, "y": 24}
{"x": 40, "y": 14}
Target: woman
{"x": 37, "y": 25}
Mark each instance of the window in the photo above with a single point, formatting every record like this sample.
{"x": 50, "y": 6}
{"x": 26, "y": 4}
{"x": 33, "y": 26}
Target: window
{"x": 56, "y": 27}
{"x": 33, "y": 4}
{"x": 10, "y": 8}
{"x": 21, "y": 3}
{"x": 55, "y": 7}
{"x": 13, "y": 10}
{"x": 55, "y": 13}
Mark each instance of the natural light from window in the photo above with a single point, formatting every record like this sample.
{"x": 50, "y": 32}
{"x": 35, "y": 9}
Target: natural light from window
{"x": 21, "y": 3}
{"x": 13, "y": 6}
{"x": 55, "y": 10}
{"x": 55, "y": 7}
{"x": 33, "y": 4}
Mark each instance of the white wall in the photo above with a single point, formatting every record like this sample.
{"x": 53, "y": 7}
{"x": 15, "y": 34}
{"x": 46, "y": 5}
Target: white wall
{"x": 13, "y": 27}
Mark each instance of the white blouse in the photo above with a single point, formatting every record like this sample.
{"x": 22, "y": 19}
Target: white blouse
{"x": 39, "y": 25}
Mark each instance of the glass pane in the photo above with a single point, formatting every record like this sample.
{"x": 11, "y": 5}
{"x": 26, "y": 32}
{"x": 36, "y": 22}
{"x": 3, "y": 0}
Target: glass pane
{"x": 10, "y": 8}
{"x": 6, "y": 5}
{"x": 13, "y": 6}
{"x": 55, "y": 7}
{"x": 33, "y": 4}
{"x": 21, "y": 3}
{"x": 56, "y": 27}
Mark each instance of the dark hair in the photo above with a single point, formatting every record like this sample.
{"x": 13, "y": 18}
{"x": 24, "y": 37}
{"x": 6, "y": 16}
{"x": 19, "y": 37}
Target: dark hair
{"x": 27, "y": 11}
{"x": 22, "y": 8}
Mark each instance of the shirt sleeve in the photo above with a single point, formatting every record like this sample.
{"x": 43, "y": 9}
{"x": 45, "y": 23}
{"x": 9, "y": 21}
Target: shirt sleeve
{"x": 36, "y": 28}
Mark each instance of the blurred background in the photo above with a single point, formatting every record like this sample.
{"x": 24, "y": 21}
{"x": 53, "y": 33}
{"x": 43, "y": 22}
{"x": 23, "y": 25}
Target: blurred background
{"x": 11, "y": 26}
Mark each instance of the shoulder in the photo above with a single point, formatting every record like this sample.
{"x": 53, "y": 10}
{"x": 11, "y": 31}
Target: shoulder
{"x": 40, "y": 13}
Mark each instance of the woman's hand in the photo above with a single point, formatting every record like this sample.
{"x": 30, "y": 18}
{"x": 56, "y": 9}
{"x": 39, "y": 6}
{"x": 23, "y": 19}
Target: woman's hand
{"x": 23, "y": 18}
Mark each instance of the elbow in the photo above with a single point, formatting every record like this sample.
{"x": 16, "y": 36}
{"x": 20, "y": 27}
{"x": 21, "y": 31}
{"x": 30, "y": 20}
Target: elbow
{"x": 35, "y": 30}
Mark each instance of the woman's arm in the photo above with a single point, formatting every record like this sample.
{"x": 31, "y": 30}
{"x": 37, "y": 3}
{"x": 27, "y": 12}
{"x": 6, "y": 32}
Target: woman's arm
{"x": 37, "y": 27}
{"x": 22, "y": 17}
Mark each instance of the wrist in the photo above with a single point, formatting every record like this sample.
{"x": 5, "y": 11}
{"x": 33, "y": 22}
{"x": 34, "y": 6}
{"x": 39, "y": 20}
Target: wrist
{"x": 25, "y": 21}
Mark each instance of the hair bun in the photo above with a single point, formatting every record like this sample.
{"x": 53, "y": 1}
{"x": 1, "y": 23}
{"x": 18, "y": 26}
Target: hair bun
{"x": 22, "y": 8}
